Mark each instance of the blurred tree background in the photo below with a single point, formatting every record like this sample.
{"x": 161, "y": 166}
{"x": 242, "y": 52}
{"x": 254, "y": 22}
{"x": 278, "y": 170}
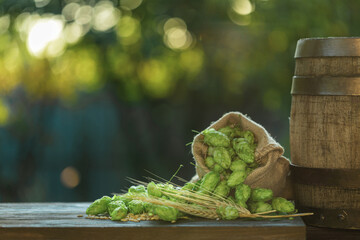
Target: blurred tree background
{"x": 94, "y": 91}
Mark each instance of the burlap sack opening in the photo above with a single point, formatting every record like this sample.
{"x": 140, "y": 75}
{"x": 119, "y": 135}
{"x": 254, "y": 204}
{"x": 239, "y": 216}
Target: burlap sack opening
{"x": 274, "y": 168}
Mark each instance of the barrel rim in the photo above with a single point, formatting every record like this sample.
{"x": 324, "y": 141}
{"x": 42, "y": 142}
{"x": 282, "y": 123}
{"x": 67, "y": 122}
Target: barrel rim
{"x": 325, "y": 85}
{"x": 328, "y": 47}
{"x": 330, "y": 177}
{"x": 334, "y": 218}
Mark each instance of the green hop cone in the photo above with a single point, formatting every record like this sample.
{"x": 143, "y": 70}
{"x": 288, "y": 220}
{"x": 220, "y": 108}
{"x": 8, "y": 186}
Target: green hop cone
{"x": 242, "y": 204}
{"x": 168, "y": 191}
{"x": 123, "y": 197}
{"x": 242, "y": 192}
{"x": 249, "y": 136}
{"x": 137, "y": 189}
{"x": 209, "y": 162}
{"x": 282, "y": 205}
{"x": 165, "y": 197}
{"x": 119, "y": 212}
{"x": 237, "y": 132}
{"x": 244, "y": 150}
{"x": 209, "y": 182}
{"x": 232, "y": 152}
{"x": 197, "y": 185}
{"x": 228, "y": 131}
{"x": 227, "y": 212}
{"x": 222, "y": 189}
{"x": 169, "y": 187}
{"x": 238, "y": 165}
{"x": 222, "y": 157}
{"x": 210, "y": 151}
{"x": 218, "y": 169}
{"x": 153, "y": 190}
{"x": 114, "y": 204}
{"x": 236, "y": 178}
{"x": 166, "y": 213}
{"x": 259, "y": 207}
{"x": 149, "y": 207}
{"x": 136, "y": 207}
{"x": 261, "y": 194}
{"x": 99, "y": 206}
{"x": 189, "y": 186}
{"x": 215, "y": 138}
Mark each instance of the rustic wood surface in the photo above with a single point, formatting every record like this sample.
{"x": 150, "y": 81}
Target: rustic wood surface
{"x": 60, "y": 221}
{"x": 316, "y": 233}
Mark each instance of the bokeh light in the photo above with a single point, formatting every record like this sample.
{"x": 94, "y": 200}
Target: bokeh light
{"x": 84, "y": 15}
{"x": 41, "y": 3}
{"x": 176, "y": 35}
{"x": 242, "y": 7}
{"x": 105, "y": 16}
{"x": 70, "y": 177}
{"x": 23, "y": 23}
{"x": 44, "y": 37}
{"x": 70, "y": 10}
{"x": 4, "y": 23}
{"x": 73, "y": 33}
{"x": 192, "y": 61}
{"x": 156, "y": 78}
{"x": 130, "y": 4}
{"x": 241, "y": 20}
{"x": 128, "y": 30}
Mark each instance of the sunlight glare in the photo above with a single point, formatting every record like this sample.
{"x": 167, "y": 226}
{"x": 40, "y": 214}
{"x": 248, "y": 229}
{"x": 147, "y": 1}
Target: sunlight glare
{"x": 42, "y": 33}
{"x": 242, "y": 7}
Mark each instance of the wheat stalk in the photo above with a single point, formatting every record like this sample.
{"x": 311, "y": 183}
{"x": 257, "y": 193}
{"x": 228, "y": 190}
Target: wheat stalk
{"x": 206, "y": 205}
{"x": 205, "y": 200}
{"x": 186, "y": 208}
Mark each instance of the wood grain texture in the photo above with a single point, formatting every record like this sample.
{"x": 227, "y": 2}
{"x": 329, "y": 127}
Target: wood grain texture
{"x": 327, "y": 197}
{"x": 315, "y": 233}
{"x": 328, "y": 66}
{"x": 325, "y": 132}
{"x": 60, "y": 221}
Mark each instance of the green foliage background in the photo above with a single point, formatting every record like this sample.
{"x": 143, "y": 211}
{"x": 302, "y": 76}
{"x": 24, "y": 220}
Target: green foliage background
{"x": 119, "y": 101}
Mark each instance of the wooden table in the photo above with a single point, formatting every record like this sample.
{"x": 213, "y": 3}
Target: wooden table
{"x": 60, "y": 221}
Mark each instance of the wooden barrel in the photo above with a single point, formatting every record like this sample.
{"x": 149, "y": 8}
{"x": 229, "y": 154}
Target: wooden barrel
{"x": 325, "y": 131}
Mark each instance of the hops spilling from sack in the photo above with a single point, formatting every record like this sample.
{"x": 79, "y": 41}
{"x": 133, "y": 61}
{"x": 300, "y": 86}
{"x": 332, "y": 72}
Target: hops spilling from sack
{"x": 225, "y": 158}
{"x": 204, "y": 198}
{"x": 231, "y": 153}
{"x": 247, "y": 152}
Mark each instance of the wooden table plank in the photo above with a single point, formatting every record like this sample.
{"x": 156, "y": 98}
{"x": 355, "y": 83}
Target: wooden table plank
{"x": 60, "y": 221}
{"x": 316, "y": 233}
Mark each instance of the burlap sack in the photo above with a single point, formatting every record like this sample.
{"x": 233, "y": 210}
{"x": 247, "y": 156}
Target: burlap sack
{"x": 274, "y": 168}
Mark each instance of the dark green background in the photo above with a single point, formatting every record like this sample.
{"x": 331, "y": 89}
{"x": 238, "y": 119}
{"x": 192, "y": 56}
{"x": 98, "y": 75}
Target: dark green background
{"x": 120, "y": 124}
